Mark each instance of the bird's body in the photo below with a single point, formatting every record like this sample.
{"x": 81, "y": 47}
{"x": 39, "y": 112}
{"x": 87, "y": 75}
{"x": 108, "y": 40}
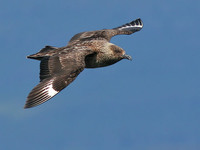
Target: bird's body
{"x": 60, "y": 66}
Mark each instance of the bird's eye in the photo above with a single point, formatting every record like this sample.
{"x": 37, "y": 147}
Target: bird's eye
{"x": 117, "y": 51}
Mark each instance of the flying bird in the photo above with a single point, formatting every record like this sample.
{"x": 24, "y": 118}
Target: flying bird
{"x": 60, "y": 66}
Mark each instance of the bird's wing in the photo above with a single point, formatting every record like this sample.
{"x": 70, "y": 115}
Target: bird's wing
{"x": 56, "y": 73}
{"x": 129, "y": 28}
{"x": 107, "y": 34}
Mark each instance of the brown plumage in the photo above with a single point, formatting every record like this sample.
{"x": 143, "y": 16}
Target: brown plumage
{"x": 60, "y": 66}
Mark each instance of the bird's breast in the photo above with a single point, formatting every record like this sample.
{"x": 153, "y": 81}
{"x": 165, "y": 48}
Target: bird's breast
{"x": 96, "y": 61}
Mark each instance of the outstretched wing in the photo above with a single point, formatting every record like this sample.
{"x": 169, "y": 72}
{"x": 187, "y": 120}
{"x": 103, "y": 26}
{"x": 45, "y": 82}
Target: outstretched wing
{"x": 130, "y": 28}
{"x": 107, "y": 34}
{"x": 56, "y": 73}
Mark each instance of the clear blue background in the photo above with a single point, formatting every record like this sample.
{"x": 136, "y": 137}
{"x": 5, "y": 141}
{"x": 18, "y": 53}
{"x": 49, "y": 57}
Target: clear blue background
{"x": 151, "y": 103}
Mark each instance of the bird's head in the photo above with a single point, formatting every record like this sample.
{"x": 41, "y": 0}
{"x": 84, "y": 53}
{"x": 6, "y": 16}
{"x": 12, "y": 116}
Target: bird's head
{"x": 119, "y": 53}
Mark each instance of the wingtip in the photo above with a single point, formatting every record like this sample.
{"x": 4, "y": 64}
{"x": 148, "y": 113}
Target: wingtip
{"x": 138, "y": 22}
{"x": 26, "y": 106}
{"x": 138, "y": 19}
{"x": 41, "y": 93}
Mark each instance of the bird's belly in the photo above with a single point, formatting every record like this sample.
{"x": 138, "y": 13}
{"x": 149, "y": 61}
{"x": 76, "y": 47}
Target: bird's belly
{"x": 97, "y": 65}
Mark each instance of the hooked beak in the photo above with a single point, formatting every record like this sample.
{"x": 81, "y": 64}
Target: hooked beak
{"x": 127, "y": 57}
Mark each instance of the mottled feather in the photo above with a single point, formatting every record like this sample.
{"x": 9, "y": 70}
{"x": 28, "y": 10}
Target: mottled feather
{"x": 56, "y": 73}
{"x": 107, "y": 34}
{"x": 60, "y": 66}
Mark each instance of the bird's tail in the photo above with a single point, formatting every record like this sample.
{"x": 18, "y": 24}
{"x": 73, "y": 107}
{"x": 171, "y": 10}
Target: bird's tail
{"x": 47, "y": 51}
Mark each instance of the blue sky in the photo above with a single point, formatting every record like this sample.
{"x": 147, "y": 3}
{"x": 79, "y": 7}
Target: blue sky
{"x": 150, "y": 103}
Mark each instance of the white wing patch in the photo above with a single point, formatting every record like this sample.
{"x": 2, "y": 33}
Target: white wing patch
{"x": 46, "y": 91}
{"x": 135, "y": 25}
{"x": 49, "y": 88}
{"x": 41, "y": 93}
{"x": 130, "y": 26}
